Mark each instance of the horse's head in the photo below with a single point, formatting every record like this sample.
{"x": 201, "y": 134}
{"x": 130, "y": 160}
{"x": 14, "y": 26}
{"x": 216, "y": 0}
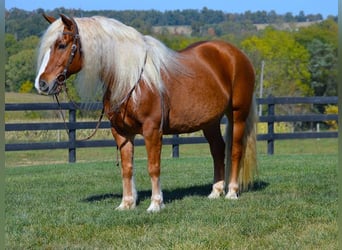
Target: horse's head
{"x": 61, "y": 60}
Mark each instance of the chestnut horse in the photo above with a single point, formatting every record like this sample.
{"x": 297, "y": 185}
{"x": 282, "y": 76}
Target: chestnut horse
{"x": 151, "y": 90}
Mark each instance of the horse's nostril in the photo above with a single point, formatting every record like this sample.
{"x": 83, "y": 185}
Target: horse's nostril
{"x": 43, "y": 86}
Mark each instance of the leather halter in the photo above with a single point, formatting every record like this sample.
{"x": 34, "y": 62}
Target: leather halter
{"x": 62, "y": 77}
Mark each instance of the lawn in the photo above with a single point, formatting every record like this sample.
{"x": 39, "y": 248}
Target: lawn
{"x": 71, "y": 206}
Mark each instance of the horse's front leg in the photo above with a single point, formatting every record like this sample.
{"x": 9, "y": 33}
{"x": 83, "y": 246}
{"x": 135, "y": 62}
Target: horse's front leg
{"x": 153, "y": 142}
{"x": 129, "y": 193}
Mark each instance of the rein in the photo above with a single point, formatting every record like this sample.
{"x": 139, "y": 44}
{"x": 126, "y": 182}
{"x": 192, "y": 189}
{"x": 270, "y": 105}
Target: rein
{"x": 128, "y": 96}
{"x": 78, "y": 107}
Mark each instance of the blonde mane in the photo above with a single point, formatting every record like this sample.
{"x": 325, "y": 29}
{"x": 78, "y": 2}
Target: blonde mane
{"x": 115, "y": 55}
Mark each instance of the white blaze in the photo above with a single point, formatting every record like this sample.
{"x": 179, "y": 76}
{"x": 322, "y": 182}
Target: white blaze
{"x": 42, "y": 69}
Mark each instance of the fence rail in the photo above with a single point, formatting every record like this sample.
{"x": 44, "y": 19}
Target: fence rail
{"x": 72, "y": 126}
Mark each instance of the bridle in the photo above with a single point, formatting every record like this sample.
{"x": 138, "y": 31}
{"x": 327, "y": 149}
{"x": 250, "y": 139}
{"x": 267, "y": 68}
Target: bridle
{"x": 62, "y": 77}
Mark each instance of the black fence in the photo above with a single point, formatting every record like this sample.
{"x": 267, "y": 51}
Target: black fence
{"x": 72, "y": 125}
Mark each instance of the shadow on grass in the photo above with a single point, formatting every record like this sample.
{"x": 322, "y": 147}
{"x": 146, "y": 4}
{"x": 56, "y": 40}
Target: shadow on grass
{"x": 175, "y": 194}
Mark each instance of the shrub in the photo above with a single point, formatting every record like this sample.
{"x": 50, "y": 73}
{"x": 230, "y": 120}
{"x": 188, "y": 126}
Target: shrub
{"x": 26, "y": 87}
{"x": 331, "y": 109}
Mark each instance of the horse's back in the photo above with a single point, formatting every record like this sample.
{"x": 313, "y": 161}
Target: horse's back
{"x": 211, "y": 71}
{"x": 224, "y": 57}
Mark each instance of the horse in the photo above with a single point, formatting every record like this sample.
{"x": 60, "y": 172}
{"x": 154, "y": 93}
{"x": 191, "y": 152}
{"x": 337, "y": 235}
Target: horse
{"x": 152, "y": 90}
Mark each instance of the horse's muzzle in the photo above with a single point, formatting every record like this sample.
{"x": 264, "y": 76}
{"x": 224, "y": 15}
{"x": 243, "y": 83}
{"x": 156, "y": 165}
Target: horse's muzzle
{"x": 49, "y": 89}
{"x": 43, "y": 86}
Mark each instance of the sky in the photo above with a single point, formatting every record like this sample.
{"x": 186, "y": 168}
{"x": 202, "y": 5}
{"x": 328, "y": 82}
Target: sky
{"x": 327, "y": 7}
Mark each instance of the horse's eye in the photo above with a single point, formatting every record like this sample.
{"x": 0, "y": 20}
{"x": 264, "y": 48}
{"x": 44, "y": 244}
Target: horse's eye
{"x": 62, "y": 46}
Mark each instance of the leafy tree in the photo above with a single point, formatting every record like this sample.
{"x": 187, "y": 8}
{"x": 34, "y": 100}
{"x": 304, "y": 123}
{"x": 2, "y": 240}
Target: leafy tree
{"x": 20, "y": 63}
{"x": 323, "y": 68}
{"x": 10, "y": 45}
{"x": 30, "y": 42}
{"x": 321, "y": 41}
{"x": 19, "y": 69}
{"x": 326, "y": 31}
{"x": 286, "y": 63}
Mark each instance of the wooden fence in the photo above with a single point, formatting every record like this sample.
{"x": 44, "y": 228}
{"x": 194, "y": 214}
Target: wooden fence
{"x": 72, "y": 125}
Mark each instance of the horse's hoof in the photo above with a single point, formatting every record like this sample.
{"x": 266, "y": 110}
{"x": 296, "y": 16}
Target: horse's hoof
{"x": 126, "y": 204}
{"x": 218, "y": 190}
{"x": 124, "y": 207}
{"x": 155, "y": 207}
{"x": 232, "y": 196}
{"x": 214, "y": 195}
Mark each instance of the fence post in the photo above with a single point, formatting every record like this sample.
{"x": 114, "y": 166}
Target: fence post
{"x": 270, "y": 126}
{"x": 72, "y": 135}
{"x": 175, "y": 147}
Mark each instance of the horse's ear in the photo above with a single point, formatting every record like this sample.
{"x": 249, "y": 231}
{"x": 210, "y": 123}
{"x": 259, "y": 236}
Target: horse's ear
{"x": 67, "y": 21}
{"x": 50, "y": 19}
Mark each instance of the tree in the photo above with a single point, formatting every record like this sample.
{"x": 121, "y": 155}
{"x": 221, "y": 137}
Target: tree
{"x": 323, "y": 68}
{"x": 10, "y": 45}
{"x": 326, "y": 31}
{"x": 286, "y": 62}
{"x": 19, "y": 69}
{"x": 20, "y": 63}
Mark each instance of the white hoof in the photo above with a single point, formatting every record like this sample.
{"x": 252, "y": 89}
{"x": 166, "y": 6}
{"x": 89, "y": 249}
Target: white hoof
{"x": 218, "y": 190}
{"x": 156, "y": 204}
{"x": 155, "y": 207}
{"x": 232, "y": 195}
{"x": 233, "y": 190}
{"x": 214, "y": 195}
{"x": 127, "y": 203}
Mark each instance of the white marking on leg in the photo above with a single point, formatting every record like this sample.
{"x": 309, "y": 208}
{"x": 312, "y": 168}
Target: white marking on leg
{"x": 232, "y": 191}
{"x": 129, "y": 201}
{"x": 157, "y": 202}
{"x": 218, "y": 190}
{"x": 42, "y": 69}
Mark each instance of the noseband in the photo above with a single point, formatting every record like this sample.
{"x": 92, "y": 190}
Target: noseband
{"x": 61, "y": 78}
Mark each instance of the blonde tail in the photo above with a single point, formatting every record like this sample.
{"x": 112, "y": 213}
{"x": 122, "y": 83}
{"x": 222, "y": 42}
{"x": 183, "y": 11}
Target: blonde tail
{"x": 248, "y": 162}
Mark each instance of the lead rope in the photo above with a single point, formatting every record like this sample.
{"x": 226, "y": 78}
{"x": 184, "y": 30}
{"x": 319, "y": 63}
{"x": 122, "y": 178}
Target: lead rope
{"x": 77, "y": 106}
{"x": 61, "y": 112}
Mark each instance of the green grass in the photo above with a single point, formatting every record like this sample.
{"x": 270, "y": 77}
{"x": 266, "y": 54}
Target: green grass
{"x": 71, "y": 206}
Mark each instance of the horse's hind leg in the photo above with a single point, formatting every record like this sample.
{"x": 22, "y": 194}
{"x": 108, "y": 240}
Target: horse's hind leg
{"x": 213, "y": 134}
{"x": 236, "y": 154}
